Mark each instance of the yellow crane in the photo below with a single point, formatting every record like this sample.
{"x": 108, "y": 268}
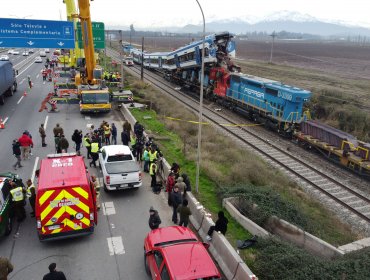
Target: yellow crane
{"x": 76, "y": 53}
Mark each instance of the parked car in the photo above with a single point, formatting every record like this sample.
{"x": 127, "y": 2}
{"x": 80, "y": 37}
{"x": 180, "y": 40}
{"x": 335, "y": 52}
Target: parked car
{"x": 15, "y": 52}
{"x": 176, "y": 253}
{"x": 42, "y": 54}
{"x": 119, "y": 167}
{"x": 38, "y": 59}
{"x": 25, "y": 53}
{"x": 4, "y": 57}
{"x": 10, "y": 51}
{"x": 47, "y": 50}
{"x": 31, "y": 51}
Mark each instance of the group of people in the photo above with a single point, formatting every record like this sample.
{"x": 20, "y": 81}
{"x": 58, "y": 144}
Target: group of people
{"x": 22, "y": 148}
{"x": 111, "y": 76}
{"x": 6, "y": 267}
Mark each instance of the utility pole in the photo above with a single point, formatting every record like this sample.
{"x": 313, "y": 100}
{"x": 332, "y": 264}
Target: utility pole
{"x": 120, "y": 56}
{"x": 142, "y": 58}
{"x": 273, "y": 35}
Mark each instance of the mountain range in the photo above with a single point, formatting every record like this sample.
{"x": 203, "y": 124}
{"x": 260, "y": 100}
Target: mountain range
{"x": 281, "y": 21}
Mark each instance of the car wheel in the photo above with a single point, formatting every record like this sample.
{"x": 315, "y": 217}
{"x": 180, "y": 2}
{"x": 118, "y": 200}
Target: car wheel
{"x": 15, "y": 86}
{"x": 10, "y": 92}
{"x": 2, "y": 99}
{"x": 9, "y": 226}
{"x": 105, "y": 188}
{"x": 147, "y": 270}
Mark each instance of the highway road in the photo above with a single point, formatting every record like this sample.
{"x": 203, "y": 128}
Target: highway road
{"x": 115, "y": 249}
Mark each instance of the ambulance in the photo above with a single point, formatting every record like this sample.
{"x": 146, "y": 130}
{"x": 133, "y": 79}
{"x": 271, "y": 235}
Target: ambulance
{"x": 65, "y": 198}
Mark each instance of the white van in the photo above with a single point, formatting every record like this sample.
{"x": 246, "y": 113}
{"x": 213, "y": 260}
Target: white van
{"x": 42, "y": 53}
{"x": 119, "y": 167}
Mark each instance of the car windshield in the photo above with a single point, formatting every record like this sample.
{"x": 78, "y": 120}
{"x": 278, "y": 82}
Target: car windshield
{"x": 172, "y": 242}
{"x": 95, "y": 98}
{"x": 119, "y": 167}
{"x": 114, "y": 158}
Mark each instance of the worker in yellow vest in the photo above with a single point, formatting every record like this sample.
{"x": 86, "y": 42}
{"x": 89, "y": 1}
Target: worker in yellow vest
{"x": 87, "y": 143}
{"x": 97, "y": 190}
{"x": 94, "y": 152}
{"x": 153, "y": 173}
{"x": 31, "y": 194}
{"x": 18, "y": 196}
{"x": 152, "y": 155}
{"x": 107, "y": 132}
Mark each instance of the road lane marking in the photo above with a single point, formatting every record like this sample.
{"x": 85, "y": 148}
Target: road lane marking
{"x": 6, "y": 119}
{"x": 20, "y": 99}
{"x": 108, "y": 208}
{"x": 115, "y": 246}
{"x": 46, "y": 122}
{"x": 34, "y": 168}
{"x": 22, "y": 81}
{"x": 37, "y": 76}
{"x": 25, "y": 69}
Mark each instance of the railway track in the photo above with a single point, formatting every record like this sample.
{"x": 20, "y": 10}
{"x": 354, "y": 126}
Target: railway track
{"x": 310, "y": 177}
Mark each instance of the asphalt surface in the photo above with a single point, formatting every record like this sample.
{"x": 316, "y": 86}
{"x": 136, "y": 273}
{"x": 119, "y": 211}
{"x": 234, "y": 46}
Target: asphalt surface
{"x": 115, "y": 249}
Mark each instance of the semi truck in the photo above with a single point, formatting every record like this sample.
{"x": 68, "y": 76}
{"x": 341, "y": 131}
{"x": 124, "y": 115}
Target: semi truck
{"x": 8, "y": 81}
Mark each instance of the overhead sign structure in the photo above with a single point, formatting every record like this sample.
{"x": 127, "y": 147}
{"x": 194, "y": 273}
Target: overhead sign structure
{"x": 98, "y": 35}
{"x": 29, "y": 33}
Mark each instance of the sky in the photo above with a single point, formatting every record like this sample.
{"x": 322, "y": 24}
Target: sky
{"x": 162, "y": 13}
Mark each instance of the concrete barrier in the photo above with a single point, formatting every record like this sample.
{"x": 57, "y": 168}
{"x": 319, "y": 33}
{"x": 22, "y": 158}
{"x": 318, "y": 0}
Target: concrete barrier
{"x": 248, "y": 224}
{"x": 227, "y": 258}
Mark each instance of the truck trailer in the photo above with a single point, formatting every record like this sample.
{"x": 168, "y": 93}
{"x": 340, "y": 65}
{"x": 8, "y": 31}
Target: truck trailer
{"x": 8, "y": 81}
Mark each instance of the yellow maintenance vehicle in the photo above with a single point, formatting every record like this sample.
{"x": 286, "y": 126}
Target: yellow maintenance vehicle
{"x": 94, "y": 95}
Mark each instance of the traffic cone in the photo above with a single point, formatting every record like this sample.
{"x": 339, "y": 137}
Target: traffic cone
{"x": 2, "y": 126}
{"x": 25, "y": 93}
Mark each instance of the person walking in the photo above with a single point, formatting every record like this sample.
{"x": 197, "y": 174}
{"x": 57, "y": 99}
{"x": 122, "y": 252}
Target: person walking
{"x": 125, "y": 137}
{"x": 87, "y": 144}
{"x": 184, "y": 212}
{"x": 56, "y": 142}
{"x": 58, "y": 130}
{"x": 138, "y": 129}
{"x": 26, "y": 143}
{"x": 139, "y": 147}
{"x": 97, "y": 190}
{"x": 63, "y": 144}
{"x": 31, "y": 194}
{"x": 221, "y": 225}
{"x": 153, "y": 173}
{"x": 6, "y": 268}
{"x": 127, "y": 127}
{"x": 17, "y": 153}
{"x": 186, "y": 179}
{"x": 146, "y": 159}
{"x": 77, "y": 138}
{"x": 17, "y": 193}
{"x": 176, "y": 200}
{"x": 54, "y": 274}
{"x": 114, "y": 134}
{"x": 154, "y": 219}
{"x": 29, "y": 81}
{"x": 42, "y": 134}
{"x": 153, "y": 154}
{"x": 94, "y": 152}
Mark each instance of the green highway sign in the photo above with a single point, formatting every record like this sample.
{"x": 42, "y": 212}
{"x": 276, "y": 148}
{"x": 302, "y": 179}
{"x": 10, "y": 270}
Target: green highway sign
{"x": 98, "y": 34}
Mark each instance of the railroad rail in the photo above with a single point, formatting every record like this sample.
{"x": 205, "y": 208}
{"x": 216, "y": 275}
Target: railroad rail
{"x": 342, "y": 194}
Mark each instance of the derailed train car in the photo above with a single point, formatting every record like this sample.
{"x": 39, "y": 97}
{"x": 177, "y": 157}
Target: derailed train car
{"x": 278, "y": 106}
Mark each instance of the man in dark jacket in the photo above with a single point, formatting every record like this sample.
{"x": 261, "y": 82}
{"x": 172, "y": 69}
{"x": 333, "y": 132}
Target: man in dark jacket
{"x": 176, "y": 200}
{"x": 58, "y": 130}
{"x": 125, "y": 137}
{"x": 42, "y": 134}
{"x": 77, "y": 138}
{"x": 17, "y": 154}
{"x": 54, "y": 274}
{"x": 63, "y": 144}
{"x": 114, "y": 134}
{"x": 154, "y": 219}
{"x": 221, "y": 225}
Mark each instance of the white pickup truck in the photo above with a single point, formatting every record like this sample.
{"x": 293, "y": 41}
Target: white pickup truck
{"x": 119, "y": 167}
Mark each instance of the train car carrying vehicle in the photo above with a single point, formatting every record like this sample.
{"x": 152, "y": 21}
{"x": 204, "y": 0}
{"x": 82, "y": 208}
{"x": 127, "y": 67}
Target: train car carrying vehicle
{"x": 65, "y": 198}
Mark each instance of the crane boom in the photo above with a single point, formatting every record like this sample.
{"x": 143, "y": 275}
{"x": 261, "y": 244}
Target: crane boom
{"x": 87, "y": 37}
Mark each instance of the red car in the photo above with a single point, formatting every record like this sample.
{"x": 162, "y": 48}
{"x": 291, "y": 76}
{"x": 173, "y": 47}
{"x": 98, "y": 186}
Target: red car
{"x": 176, "y": 253}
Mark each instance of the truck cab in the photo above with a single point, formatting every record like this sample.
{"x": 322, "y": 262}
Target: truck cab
{"x": 119, "y": 167}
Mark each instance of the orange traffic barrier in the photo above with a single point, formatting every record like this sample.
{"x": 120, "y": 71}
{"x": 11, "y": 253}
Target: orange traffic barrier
{"x": 2, "y": 125}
